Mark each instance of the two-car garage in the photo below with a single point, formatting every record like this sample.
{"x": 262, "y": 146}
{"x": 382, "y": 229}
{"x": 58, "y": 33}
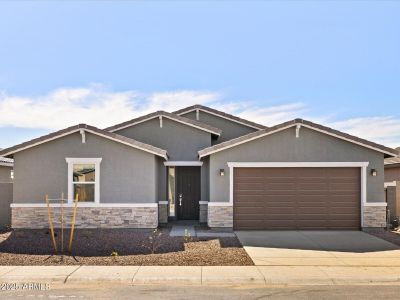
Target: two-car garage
{"x": 297, "y": 176}
{"x": 296, "y": 198}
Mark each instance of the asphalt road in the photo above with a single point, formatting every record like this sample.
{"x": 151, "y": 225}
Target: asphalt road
{"x": 192, "y": 293}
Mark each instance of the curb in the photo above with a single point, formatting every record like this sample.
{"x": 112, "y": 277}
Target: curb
{"x": 203, "y": 275}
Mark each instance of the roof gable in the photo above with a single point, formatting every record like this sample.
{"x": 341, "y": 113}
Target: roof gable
{"x": 220, "y": 114}
{"x": 84, "y": 128}
{"x": 163, "y": 114}
{"x": 6, "y": 162}
{"x": 389, "y": 152}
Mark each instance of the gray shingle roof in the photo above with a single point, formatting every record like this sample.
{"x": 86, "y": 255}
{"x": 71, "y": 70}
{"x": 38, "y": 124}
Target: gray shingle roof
{"x": 389, "y": 152}
{"x": 6, "y": 161}
{"x": 393, "y": 160}
{"x": 221, "y": 113}
{"x": 189, "y": 122}
{"x": 9, "y": 152}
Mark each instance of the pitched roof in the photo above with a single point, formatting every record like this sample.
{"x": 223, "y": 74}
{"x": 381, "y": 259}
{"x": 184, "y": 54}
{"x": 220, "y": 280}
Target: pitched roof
{"x": 220, "y": 114}
{"x": 9, "y": 152}
{"x": 393, "y": 160}
{"x": 389, "y": 152}
{"x": 174, "y": 117}
{"x": 7, "y": 162}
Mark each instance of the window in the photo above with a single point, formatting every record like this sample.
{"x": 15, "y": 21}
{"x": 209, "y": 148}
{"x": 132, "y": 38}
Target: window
{"x": 83, "y": 179}
{"x": 171, "y": 191}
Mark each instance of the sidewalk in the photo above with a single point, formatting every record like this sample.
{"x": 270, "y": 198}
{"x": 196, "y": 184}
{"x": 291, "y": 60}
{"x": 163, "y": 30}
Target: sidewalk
{"x": 196, "y": 275}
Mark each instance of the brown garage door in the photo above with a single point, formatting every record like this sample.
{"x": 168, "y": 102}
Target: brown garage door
{"x": 296, "y": 198}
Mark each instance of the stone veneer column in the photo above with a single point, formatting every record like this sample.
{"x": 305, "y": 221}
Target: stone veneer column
{"x": 203, "y": 211}
{"x": 87, "y": 217}
{"x": 163, "y": 212}
{"x": 374, "y": 217}
{"x": 220, "y": 216}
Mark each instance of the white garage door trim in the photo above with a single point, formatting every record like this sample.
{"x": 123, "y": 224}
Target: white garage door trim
{"x": 362, "y": 165}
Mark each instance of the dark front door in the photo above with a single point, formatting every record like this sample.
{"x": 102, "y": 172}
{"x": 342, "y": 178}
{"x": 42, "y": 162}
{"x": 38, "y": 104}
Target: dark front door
{"x": 188, "y": 193}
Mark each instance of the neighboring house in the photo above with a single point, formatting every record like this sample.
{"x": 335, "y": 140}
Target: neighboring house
{"x": 6, "y": 190}
{"x": 392, "y": 185}
{"x": 202, "y": 164}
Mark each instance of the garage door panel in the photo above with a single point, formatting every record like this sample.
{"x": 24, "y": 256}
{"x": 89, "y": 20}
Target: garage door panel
{"x": 280, "y": 186}
{"x": 297, "y": 198}
{"x": 312, "y": 186}
{"x": 305, "y": 211}
{"x": 280, "y": 210}
{"x": 244, "y": 187}
{"x": 251, "y": 210}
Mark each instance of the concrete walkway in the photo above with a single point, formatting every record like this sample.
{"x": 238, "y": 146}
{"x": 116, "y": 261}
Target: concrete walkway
{"x": 182, "y": 230}
{"x": 219, "y": 275}
{"x": 318, "y": 248}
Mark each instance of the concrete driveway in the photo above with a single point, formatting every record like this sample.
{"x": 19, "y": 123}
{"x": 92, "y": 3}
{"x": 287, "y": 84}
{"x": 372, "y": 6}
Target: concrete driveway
{"x": 318, "y": 248}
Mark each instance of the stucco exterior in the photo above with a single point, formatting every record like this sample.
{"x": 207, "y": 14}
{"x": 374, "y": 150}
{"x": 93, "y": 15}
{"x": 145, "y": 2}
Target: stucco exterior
{"x": 181, "y": 141}
{"x": 230, "y": 129}
{"x": 127, "y": 175}
{"x": 5, "y": 174}
{"x": 311, "y": 146}
{"x": 133, "y": 176}
{"x": 6, "y": 195}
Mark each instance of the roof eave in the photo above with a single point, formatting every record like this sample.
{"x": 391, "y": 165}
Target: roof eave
{"x": 221, "y": 114}
{"x": 9, "y": 152}
{"x": 388, "y": 152}
{"x": 177, "y": 118}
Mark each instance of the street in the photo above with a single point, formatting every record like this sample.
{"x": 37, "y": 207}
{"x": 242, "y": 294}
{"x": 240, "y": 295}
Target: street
{"x": 115, "y": 291}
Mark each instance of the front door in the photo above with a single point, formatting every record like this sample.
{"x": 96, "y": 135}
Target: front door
{"x": 188, "y": 193}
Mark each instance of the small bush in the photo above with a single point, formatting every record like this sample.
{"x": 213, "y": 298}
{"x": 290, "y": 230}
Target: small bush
{"x": 154, "y": 241}
{"x": 188, "y": 237}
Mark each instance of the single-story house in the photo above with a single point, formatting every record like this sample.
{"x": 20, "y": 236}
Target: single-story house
{"x": 6, "y": 189}
{"x": 392, "y": 185}
{"x": 202, "y": 164}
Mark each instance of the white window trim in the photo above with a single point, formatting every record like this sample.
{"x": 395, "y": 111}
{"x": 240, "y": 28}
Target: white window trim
{"x": 362, "y": 165}
{"x": 182, "y": 163}
{"x": 74, "y": 160}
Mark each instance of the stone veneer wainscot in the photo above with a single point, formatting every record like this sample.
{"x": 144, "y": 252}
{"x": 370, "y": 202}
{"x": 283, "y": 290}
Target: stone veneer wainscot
{"x": 220, "y": 216}
{"x": 86, "y": 217}
{"x": 374, "y": 216}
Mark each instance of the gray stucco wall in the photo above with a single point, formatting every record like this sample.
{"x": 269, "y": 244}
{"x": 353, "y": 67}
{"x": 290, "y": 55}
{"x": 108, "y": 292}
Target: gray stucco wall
{"x": 161, "y": 180}
{"x": 5, "y": 174}
{"x": 205, "y": 180}
{"x": 181, "y": 141}
{"x": 229, "y": 128}
{"x": 6, "y": 194}
{"x": 127, "y": 175}
{"x": 285, "y": 147}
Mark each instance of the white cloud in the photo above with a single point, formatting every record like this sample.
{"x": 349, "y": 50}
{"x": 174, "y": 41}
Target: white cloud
{"x": 99, "y": 107}
{"x": 383, "y": 130}
{"x": 93, "y": 105}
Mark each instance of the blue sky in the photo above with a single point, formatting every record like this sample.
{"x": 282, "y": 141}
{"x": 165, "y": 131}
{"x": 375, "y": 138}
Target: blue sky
{"x": 336, "y": 63}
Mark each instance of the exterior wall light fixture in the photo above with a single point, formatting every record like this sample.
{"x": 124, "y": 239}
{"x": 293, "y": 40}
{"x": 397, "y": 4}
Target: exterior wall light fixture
{"x": 221, "y": 172}
{"x": 374, "y": 172}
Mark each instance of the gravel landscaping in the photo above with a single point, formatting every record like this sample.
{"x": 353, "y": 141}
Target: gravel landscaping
{"x": 120, "y": 247}
{"x": 392, "y": 236}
